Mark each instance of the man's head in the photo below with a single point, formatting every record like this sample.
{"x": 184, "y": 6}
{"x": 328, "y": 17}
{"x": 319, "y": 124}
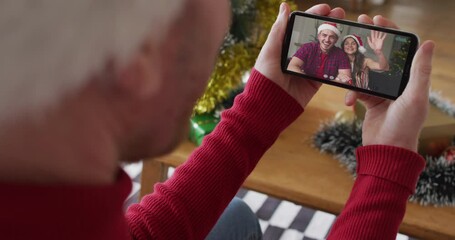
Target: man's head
{"x": 182, "y": 65}
{"x": 144, "y": 62}
{"x": 328, "y": 34}
{"x": 51, "y": 47}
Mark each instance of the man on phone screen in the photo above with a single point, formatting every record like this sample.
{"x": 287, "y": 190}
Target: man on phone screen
{"x": 323, "y": 59}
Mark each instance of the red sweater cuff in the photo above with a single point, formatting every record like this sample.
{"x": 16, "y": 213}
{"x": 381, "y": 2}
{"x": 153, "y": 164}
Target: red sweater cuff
{"x": 395, "y": 164}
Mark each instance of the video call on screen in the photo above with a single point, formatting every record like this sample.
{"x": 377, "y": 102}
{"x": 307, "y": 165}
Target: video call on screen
{"x": 395, "y": 49}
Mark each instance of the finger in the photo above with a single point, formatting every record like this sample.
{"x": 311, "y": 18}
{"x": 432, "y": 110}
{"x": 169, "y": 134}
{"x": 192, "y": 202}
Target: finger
{"x": 376, "y": 34}
{"x": 373, "y": 34}
{"x": 350, "y": 98}
{"x": 368, "y": 100}
{"x": 320, "y": 9}
{"x": 365, "y": 19}
{"x": 419, "y": 81}
{"x": 337, "y": 13}
{"x": 384, "y": 22}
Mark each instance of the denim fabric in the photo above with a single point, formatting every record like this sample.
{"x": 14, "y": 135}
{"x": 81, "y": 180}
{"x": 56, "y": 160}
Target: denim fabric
{"x": 237, "y": 222}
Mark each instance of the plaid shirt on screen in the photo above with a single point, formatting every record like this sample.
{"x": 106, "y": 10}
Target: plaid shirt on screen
{"x": 310, "y": 54}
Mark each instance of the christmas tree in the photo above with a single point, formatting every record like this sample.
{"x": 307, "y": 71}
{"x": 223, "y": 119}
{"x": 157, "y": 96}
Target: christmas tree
{"x": 399, "y": 56}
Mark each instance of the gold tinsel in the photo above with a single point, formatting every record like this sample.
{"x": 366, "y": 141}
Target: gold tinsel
{"x": 237, "y": 59}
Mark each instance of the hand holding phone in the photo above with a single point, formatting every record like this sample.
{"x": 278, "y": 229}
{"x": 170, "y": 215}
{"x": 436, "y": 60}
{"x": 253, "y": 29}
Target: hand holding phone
{"x": 361, "y": 57}
{"x": 397, "y": 123}
{"x": 268, "y": 62}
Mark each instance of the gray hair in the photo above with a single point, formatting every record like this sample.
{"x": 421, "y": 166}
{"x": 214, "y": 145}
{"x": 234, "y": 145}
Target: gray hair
{"x": 50, "y": 47}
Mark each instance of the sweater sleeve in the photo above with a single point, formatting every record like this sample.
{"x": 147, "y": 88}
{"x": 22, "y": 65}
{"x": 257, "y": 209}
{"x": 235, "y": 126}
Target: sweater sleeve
{"x": 188, "y": 204}
{"x": 386, "y": 177}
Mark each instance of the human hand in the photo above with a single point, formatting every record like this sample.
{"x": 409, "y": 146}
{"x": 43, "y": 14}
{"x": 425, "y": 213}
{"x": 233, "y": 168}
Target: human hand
{"x": 397, "y": 123}
{"x": 269, "y": 59}
{"x": 343, "y": 78}
{"x": 376, "y": 40}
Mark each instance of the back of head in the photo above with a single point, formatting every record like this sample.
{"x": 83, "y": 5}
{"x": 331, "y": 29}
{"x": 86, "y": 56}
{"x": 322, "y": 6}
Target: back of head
{"x": 49, "y": 48}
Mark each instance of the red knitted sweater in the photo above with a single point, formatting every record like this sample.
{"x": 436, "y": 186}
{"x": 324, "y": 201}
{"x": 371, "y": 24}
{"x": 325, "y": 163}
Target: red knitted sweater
{"x": 188, "y": 204}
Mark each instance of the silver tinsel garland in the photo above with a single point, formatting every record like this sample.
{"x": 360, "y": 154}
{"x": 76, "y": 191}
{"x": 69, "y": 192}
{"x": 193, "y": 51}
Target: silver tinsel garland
{"x": 443, "y": 104}
{"x": 436, "y": 184}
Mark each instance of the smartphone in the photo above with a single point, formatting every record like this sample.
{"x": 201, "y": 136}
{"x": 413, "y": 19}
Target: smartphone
{"x": 361, "y": 57}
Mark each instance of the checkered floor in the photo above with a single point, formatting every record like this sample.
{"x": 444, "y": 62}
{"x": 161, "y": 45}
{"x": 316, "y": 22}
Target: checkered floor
{"x": 279, "y": 219}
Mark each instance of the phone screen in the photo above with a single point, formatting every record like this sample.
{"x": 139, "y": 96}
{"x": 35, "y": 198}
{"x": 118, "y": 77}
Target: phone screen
{"x": 347, "y": 54}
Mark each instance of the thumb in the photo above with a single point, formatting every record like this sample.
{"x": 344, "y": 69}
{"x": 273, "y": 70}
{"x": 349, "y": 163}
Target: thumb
{"x": 273, "y": 44}
{"x": 419, "y": 81}
{"x": 276, "y": 34}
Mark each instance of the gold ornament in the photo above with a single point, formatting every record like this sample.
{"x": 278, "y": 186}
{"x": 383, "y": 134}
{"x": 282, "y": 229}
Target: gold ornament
{"x": 231, "y": 64}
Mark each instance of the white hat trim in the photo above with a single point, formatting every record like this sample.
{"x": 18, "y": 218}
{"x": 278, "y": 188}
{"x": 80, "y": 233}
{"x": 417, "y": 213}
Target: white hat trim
{"x": 326, "y": 26}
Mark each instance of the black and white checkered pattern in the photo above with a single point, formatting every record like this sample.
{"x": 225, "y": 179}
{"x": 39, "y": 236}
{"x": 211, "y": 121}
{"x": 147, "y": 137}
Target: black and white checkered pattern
{"x": 279, "y": 219}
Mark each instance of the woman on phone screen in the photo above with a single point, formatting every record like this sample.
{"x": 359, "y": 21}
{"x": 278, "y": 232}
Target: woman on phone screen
{"x": 360, "y": 65}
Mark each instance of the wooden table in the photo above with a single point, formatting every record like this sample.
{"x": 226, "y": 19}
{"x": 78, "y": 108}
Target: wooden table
{"x": 293, "y": 170}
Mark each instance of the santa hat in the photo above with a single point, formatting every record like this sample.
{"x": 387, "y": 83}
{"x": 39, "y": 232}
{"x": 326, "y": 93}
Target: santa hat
{"x": 329, "y": 26}
{"x": 359, "y": 42}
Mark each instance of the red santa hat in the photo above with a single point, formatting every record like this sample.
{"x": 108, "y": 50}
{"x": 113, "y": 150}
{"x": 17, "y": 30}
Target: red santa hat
{"x": 359, "y": 42}
{"x": 329, "y": 26}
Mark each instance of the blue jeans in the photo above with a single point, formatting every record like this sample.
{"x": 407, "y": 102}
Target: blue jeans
{"x": 237, "y": 222}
